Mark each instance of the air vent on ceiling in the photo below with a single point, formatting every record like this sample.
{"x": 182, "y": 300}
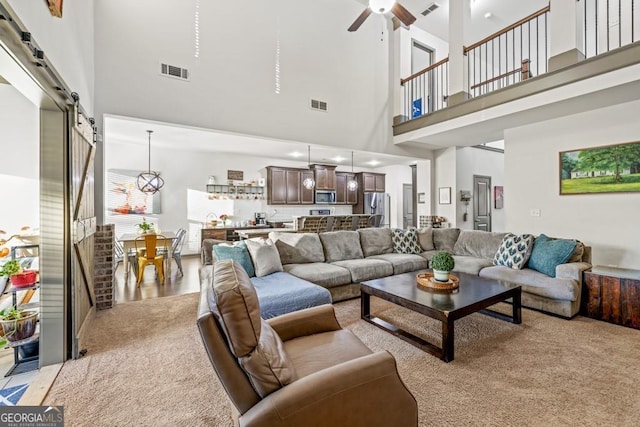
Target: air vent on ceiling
{"x": 318, "y": 105}
{"x": 430, "y": 8}
{"x": 175, "y": 72}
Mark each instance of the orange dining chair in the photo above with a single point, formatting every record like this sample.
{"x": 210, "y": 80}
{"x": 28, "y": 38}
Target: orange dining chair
{"x": 150, "y": 254}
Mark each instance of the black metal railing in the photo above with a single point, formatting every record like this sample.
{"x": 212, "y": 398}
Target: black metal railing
{"x": 513, "y": 54}
{"x": 608, "y": 24}
{"x": 426, "y": 91}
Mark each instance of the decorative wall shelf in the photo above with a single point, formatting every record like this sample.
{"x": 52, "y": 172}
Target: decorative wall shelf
{"x": 238, "y": 192}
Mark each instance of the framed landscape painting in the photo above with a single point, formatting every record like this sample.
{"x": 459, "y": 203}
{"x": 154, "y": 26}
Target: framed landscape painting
{"x": 607, "y": 169}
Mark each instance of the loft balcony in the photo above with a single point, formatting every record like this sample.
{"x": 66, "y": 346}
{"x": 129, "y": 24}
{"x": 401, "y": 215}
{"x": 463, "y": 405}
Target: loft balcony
{"x": 525, "y": 73}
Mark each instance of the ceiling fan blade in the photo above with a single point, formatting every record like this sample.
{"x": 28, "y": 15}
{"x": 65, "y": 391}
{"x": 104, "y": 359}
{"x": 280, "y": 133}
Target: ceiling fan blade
{"x": 403, "y": 14}
{"x": 364, "y": 15}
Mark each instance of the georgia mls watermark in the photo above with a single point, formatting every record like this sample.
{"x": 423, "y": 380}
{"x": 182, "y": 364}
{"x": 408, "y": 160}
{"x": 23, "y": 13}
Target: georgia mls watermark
{"x": 31, "y": 416}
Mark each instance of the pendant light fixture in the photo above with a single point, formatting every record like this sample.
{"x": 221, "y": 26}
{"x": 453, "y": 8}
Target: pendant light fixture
{"x": 309, "y": 183}
{"x": 352, "y": 184}
{"x": 149, "y": 182}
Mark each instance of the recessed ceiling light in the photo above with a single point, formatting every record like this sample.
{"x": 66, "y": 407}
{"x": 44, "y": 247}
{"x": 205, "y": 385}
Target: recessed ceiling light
{"x": 338, "y": 159}
{"x": 374, "y": 163}
{"x": 488, "y": 15}
{"x": 295, "y": 154}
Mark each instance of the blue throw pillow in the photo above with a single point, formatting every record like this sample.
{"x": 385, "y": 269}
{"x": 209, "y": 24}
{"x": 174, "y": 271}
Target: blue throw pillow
{"x": 238, "y": 253}
{"x": 548, "y": 253}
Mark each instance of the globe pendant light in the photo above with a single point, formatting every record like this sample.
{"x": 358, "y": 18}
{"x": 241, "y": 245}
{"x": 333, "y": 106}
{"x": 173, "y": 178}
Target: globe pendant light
{"x": 352, "y": 184}
{"x": 149, "y": 182}
{"x": 309, "y": 183}
{"x": 381, "y": 6}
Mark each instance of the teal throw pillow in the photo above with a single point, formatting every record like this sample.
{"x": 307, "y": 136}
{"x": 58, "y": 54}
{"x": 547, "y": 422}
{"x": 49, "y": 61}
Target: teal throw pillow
{"x": 238, "y": 253}
{"x": 548, "y": 253}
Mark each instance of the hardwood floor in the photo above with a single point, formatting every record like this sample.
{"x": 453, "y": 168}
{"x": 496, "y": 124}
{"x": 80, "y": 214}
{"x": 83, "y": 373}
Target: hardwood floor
{"x": 150, "y": 288}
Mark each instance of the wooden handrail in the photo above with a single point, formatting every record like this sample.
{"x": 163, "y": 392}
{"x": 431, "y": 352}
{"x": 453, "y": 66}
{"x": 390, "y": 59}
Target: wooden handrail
{"x": 524, "y": 70}
{"x": 507, "y": 29}
{"x": 426, "y": 70}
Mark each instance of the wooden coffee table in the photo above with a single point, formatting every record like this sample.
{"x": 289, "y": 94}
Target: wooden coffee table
{"x": 475, "y": 294}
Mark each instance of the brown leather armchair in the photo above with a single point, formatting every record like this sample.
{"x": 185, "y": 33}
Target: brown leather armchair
{"x": 332, "y": 378}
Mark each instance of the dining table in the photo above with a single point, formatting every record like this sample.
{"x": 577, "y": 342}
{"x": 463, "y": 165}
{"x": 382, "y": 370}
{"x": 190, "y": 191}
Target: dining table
{"x": 128, "y": 241}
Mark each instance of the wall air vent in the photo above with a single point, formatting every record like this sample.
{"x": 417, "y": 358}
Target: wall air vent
{"x": 175, "y": 72}
{"x": 430, "y": 8}
{"x": 318, "y": 105}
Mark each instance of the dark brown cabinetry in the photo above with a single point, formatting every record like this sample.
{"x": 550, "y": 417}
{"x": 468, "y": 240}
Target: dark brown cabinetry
{"x": 613, "y": 295}
{"x": 325, "y": 177}
{"x": 284, "y": 186}
{"x": 343, "y": 195}
{"x": 373, "y": 182}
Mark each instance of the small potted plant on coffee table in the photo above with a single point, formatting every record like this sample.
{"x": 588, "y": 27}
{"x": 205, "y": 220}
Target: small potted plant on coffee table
{"x": 442, "y": 263}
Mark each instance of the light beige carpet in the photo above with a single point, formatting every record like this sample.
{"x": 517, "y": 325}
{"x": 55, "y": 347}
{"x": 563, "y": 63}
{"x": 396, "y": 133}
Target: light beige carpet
{"x": 145, "y": 365}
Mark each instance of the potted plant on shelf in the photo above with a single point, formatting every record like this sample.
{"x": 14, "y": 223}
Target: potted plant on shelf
{"x": 18, "y": 324}
{"x": 442, "y": 263}
{"x": 18, "y": 276}
{"x": 225, "y": 218}
{"x": 145, "y": 227}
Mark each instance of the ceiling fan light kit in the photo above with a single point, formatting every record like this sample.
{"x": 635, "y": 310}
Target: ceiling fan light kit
{"x": 384, "y": 6}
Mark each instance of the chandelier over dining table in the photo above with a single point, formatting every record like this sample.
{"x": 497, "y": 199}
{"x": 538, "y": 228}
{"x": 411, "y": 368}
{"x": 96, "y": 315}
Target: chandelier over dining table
{"x": 149, "y": 182}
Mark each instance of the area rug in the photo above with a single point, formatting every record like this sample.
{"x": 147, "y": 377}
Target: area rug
{"x": 145, "y": 365}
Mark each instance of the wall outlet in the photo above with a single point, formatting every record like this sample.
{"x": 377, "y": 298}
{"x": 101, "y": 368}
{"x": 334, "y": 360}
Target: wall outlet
{"x": 534, "y": 212}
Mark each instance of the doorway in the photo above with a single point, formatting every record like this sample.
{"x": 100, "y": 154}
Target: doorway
{"x": 482, "y": 203}
{"x": 407, "y": 205}
{"x": 422, "y": 56}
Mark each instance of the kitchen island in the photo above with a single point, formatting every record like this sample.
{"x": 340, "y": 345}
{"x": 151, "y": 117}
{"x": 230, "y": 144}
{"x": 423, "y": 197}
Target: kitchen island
{"x": 227, "y": 233}
{"x": 320, "y": 223}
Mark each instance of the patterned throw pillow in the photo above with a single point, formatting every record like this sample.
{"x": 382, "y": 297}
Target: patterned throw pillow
{"x": 406, "y": 241}
{"x": 514, "y": 251}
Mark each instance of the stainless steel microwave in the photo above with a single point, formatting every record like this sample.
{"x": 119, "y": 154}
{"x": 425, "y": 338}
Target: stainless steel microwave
{"x": 325, "y": 196}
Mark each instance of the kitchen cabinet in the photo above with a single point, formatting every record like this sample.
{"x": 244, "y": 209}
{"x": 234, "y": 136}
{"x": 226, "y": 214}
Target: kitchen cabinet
{"x": 325, "y": 176}
{"x": 373, "y": 182}
{"x": 284, "y": 186}
{"x": 343, "y": 195}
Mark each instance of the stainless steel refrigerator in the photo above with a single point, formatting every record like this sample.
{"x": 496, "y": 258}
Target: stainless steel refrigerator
{"x": 378, "y": 204}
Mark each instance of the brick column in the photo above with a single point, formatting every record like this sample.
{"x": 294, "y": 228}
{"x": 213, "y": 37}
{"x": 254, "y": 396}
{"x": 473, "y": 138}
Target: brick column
{"x": 103, "y": 266}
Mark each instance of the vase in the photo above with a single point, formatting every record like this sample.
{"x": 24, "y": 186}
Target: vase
{"x": 440, "y": 275}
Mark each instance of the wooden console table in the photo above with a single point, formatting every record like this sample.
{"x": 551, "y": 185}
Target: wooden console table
{"x": 613, "y": 295}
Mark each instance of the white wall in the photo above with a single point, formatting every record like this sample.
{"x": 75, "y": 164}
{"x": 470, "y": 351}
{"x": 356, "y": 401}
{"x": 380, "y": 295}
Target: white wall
{"x": 424, "y": 186}
{"x": 607, "y": 222}
{"x": 445, "y": 176}
{"x": 185, "y": 170}
{"x": 474, "y": 161}
{"x": 19, "y": 144}
{"x": 68, "y": 42}
{"x": 232, "y": 86}
{"x": 395, "y": 177}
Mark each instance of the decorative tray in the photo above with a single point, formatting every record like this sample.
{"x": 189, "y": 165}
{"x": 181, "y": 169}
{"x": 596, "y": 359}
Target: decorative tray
{"x": 426, "y": 281}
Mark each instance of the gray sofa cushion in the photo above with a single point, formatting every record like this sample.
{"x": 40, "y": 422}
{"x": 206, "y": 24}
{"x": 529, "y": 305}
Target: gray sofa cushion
{"x": 480, "y": 244}
{"x": 425, "y": 239}
{"x": 323, "y": 274}
{"x": 341, "y": 245}
{"x": 536, "y": 283}
{"x": 366, "y": 269}
{"x": 403, "y": 263}
{"x": 471, "y": 265}
{"x": 444, "y": 239}
{"x": 375, "y": 241}
{"x": 298, "y": 248}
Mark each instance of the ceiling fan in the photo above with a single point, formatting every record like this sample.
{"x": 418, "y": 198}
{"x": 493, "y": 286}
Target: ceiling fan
{"x": 384, "y": 6}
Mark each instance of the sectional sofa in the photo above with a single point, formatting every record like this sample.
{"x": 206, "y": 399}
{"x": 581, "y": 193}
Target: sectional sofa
{"x": 340, "y": 260}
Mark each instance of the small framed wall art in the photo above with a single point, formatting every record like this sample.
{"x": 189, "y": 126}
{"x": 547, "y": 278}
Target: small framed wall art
{"x": 421, "y": 198}
{"x": 498, "y": 196}
{"x": 444, "y": 195}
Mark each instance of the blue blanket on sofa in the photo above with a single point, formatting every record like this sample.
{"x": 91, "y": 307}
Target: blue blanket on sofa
{"x": 281, "y": 293}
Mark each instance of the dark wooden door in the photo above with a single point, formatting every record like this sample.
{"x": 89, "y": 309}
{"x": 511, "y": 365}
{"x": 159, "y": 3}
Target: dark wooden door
{"x": 294, "y": 183}
{"x": 341, "y": 188}
{"x": 83, "y": 228}
{"x": 277, "y": 186}
{"x": 306, "y": 194}
{"x": 482, "y": 203}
